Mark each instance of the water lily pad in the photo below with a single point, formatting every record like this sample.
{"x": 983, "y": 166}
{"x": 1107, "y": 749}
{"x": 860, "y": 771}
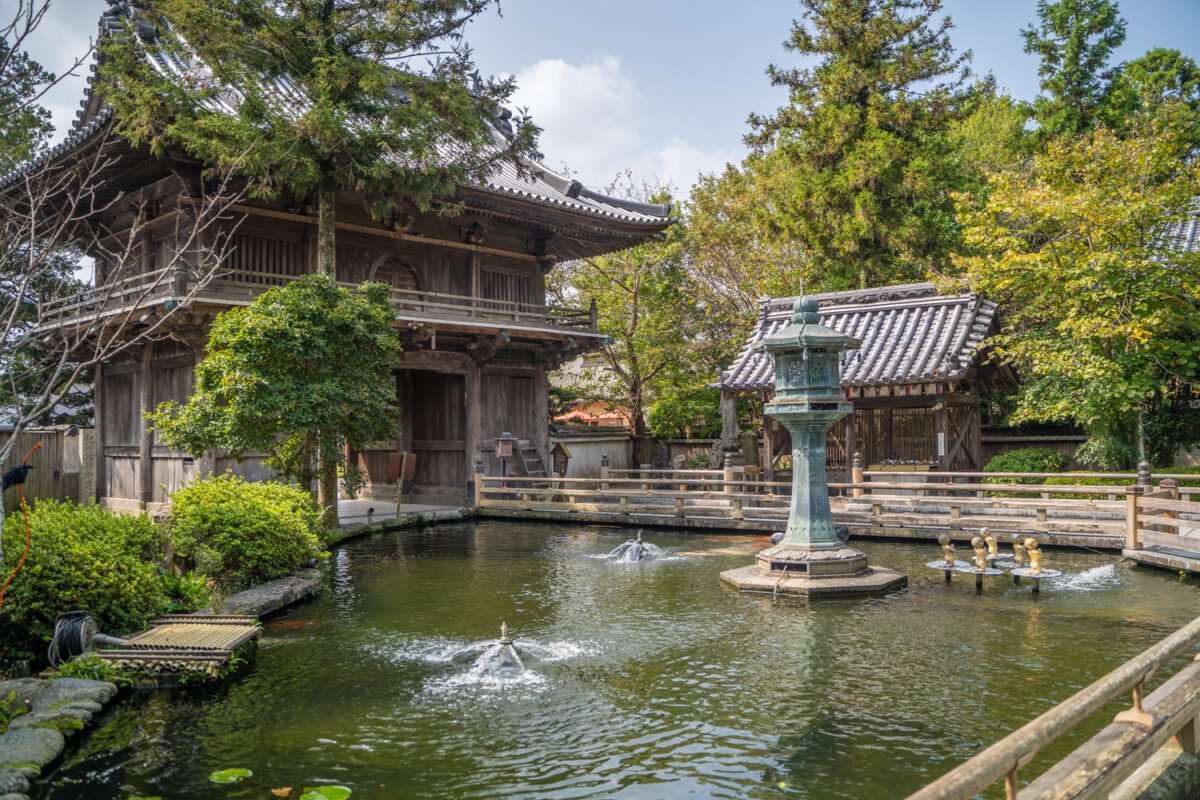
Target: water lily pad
{"x": 325, "y": 793}
{"x": 234, "y": 775}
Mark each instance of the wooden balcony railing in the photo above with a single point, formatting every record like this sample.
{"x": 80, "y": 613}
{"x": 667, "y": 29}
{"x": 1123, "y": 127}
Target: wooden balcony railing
{"x": 239, "y": 286}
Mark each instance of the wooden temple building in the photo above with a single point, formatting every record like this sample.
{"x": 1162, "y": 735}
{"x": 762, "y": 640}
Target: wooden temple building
{"x": 915, "y": 381}
{"x": 468, "y": 292}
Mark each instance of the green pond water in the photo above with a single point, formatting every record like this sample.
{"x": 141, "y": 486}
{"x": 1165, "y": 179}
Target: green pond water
{"x": 658, "y": 681}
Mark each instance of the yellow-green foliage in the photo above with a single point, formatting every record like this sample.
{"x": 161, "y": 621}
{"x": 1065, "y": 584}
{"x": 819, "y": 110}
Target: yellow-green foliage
{"x": 239, "y": 533}
{"x": 80, "y": 557}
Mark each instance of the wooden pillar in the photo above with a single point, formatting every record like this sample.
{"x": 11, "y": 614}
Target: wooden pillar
{"x": 474, "y": 416}
{"x": 768, "y": 450}
{"x": 99, "y": 407}
{"x": 941, "y": 444}
{"x": 146, "y": 404}
{"x": 1132, "y": 493}
{"x": 729, "y": 419}
{"x": 541, "y": 412}
{"x": 976, "y": 438}
{"x": 851, "y": 443}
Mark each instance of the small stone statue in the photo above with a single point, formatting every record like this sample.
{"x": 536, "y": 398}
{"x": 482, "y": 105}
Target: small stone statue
{"x": 1035, "y": 555}
{"x": 990, "y": 541}
{"x": 1018, "y": 551}
{"x": 980, "y": 553}
{"x": 947, "y": 550}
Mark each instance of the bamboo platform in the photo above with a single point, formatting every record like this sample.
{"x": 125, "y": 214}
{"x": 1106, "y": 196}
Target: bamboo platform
{"x": 185, "y": 643}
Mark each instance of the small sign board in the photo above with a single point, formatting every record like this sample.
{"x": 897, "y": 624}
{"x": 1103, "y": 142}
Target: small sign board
{"x": 560, "y": 455}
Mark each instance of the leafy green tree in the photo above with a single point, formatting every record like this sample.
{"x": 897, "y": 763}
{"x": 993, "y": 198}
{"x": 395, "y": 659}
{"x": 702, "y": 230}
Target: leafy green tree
{"x": 736, "y": 253}
{"x": 305, "y": 368}
{"x": 864, "y": 139}
{"x": 1101, "y": 306}
{"x": 657, "y": 331}
{"x": 1074, "y": 40}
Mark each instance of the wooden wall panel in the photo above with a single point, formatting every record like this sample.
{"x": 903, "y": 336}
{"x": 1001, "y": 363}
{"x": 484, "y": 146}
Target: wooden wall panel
{"x": 122, "y": 417}
{"x": 439, "y": 429}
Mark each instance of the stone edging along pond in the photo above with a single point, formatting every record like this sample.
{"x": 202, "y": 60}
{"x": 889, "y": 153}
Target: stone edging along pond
{"x": 52, "y": 710}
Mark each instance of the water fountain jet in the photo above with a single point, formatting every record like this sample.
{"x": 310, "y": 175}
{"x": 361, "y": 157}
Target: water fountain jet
{"x": 635, "y": 550}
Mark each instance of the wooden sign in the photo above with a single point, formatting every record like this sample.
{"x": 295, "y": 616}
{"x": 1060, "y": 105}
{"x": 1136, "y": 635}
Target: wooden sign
{"x": 560, "y": 455}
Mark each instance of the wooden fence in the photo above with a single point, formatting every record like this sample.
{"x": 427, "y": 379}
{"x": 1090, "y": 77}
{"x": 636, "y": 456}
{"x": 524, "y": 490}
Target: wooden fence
{"x": 879, "y": 502}
{"x": 1168, "y": 716}
{"x": 63, "y": 467}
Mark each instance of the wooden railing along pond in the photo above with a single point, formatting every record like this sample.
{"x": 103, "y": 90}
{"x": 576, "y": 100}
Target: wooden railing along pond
{"x": 1161, "y": 726}
{"x": 880, "y": 502}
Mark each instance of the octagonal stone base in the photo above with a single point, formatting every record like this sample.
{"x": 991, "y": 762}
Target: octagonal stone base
{"x": 871, "y": 581}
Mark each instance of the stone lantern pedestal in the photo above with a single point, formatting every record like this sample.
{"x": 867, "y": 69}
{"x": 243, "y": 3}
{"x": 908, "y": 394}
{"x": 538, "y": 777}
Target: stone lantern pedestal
{"x": 810, "y": 560}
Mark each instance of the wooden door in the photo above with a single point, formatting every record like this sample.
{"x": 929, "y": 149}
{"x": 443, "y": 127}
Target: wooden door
{"x": 439, "y": 436}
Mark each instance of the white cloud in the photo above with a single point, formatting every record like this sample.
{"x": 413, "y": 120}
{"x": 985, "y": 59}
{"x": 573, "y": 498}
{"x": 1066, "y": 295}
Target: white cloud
{"x": 593, "y": 121}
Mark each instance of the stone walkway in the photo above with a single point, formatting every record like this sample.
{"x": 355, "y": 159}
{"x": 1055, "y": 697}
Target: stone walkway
{"x": 49, "y": 712}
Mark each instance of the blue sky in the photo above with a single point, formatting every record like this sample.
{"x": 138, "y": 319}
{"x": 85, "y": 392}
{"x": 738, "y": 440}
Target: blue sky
{"x": 663, "y": 87}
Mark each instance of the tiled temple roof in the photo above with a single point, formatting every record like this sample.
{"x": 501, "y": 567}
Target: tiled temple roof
{"x": 1184, "y": 235}
{"x": 537, "y": 184}
{"x": 910, "y": 334}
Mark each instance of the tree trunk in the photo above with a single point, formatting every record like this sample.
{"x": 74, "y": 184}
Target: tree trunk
{"x": 1139, "y": 437}
{"x": 327, "y": 230}
{"x": 327, "y": 484}
{"x": 637, "y": 428}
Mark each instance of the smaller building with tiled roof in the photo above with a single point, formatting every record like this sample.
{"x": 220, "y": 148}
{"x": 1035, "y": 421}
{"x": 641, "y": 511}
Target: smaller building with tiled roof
{"x": 915, "y": 381}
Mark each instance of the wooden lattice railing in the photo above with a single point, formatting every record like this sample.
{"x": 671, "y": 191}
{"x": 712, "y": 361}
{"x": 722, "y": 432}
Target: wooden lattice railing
{"x": 238, "y": 286}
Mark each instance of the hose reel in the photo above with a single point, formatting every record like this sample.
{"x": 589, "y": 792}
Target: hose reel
{"x": 76, "y": 633}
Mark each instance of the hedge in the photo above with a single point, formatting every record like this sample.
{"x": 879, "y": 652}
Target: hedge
{"x": 80, "y": 557}
{"x": 240, "y": 533}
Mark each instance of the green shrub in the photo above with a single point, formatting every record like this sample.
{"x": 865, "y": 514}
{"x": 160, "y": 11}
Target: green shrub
{"x": 186, "y": 592}
{"x": 93, "y": 668}
{"x": 1028, "y": 459}
{"x": 1105, "y": 453}
{"x": 240, "y": 533}
{"x": 1069, "y": 479}
{"x": 80, "y": 557}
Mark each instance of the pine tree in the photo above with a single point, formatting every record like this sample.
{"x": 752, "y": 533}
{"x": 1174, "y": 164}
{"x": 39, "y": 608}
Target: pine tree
{"x": 1074, "y": 39}
{"x": 864, "y": 137}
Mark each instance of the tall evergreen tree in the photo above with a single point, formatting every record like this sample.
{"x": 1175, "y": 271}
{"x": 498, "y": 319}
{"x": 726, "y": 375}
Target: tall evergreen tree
{"x": 1074, "y": 40}
{"x": 1143, "y": 86}
{"x": 864, "y": 138}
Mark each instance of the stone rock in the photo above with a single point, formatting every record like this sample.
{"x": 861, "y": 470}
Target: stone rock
{"x": 65, "y": 691}
{"x": 50, "y": 718}
{"x": 23, "y": 690}
{"x": 13, "y": 796}
{"x": 84, "y": 705}
{"x": 273, "y": 595}
{"x": 13, "y": 780}
{"x": 35, "y": 746}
